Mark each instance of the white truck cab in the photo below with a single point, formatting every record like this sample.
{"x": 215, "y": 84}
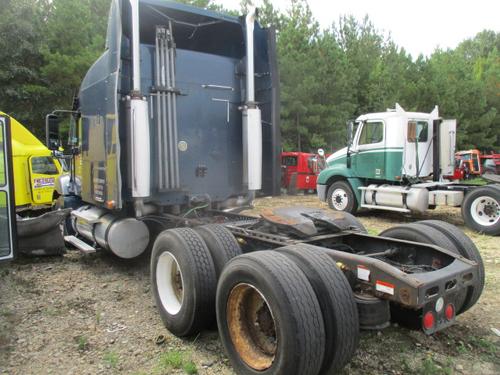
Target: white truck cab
{"x": 396, "y": 161}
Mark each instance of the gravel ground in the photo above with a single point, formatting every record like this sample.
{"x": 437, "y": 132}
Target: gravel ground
{"x": 95, "y": 315}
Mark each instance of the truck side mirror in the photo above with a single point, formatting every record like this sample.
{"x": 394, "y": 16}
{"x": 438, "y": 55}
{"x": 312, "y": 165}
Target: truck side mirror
{"x": 52, "y": 138}
{"x": 350, "y": 130}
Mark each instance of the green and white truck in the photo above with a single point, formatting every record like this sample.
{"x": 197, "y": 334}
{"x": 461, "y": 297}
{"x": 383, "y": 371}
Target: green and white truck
{"x": 396, "y": 161}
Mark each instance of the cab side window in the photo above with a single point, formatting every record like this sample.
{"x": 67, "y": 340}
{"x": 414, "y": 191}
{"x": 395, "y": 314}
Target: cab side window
{"x": 289, "y": 161}
{"x": 372, "y": 132}
{"x": 418, "y": 131}
{"x": 43, "y": 165}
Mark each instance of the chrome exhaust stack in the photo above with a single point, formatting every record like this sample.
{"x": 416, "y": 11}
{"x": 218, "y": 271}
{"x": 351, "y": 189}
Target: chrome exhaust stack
{"x": 139, "y": 139}
{"x": 252, "y": 121}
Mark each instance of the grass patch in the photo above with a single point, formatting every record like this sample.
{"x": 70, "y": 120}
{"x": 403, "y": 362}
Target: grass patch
{"x": 190, "y": 368}
{"x": 430, "y": 367}
{"x": 485, "y": 348}
{"x": 175, "y": 359}
{"x": 6, "y": 313}
{"x": 111, "y": 358}
{"x": 82, "y": 342}
{"x": 475, "y": 181}
{"x": 50, "y": 311}
{"x": 461, "y": 348}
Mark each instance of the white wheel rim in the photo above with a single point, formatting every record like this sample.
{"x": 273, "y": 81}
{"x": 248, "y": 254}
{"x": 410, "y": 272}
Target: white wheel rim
{"x": 170, "y": 283}
{"x": 340, "y": 199}
{"x": 485, "y": 211}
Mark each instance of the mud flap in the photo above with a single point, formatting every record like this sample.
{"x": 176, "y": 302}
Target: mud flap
{"x": 42, "y": 235}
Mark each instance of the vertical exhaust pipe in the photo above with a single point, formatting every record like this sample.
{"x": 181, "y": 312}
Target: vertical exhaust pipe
{"x": 252, "y": 121}
{"x": 139, "y": 155}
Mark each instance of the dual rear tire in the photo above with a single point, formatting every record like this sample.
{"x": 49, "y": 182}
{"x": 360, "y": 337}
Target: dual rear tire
{"x": 185, "y": 266}
{"x": 272, "y": 305}
{"x": 288, "y": 311}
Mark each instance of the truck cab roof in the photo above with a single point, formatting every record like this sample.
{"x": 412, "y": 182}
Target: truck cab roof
{"x": 24, "y": 143}
{"x": 398, "y": 111}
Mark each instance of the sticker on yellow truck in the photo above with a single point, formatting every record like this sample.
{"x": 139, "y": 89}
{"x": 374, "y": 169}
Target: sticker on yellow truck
{"x": 43, "y": 182}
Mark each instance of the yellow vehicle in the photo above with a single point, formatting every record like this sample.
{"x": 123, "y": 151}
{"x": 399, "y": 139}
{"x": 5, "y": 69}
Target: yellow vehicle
{"x": 27, "y": 173}
{"x": 35, "y": 169}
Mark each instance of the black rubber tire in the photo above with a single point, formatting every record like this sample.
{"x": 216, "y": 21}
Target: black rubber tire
{"x": 352, "y": 204}
{"x": 199, "y": 281}
{"x": 493, "y": 186}
{"x": 295, "y": 308}
{"x": 470, "y": 197}
{"x": 221, "y": 243}
{"x": 467, "y": 249}
{"x": 419, "y": 233}
{"x": 335, "y": 297}
{"x": 374, "y": 313}
{"x": 422, "y": 233}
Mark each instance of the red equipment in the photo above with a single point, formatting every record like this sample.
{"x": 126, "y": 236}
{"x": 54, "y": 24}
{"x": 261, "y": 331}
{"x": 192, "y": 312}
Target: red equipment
{"x": 490, "y": 163}
{"x": 300, "y": 171}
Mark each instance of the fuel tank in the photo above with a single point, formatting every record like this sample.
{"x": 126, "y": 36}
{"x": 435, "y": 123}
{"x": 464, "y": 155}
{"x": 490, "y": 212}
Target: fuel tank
{"x": 415, "y": 199}
{"x": 126, "y": 237}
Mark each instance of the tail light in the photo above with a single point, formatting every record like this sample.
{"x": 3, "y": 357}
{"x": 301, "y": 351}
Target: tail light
{"x": 449, "y": 311}
{"x": 429, "y": 320}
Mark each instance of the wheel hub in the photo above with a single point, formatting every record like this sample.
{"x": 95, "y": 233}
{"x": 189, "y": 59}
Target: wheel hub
{"x": 340, "y": 199}
{"x": 251, "y": 326}
{"x": 485, "y": 211}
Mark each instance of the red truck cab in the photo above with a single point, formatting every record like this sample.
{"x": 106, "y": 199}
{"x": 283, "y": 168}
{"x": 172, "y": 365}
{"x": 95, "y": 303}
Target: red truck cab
{"x": 300, "y": 171}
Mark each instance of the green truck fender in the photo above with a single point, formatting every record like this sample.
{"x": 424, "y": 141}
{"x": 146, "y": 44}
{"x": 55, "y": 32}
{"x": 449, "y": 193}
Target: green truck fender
{"x": 337, "y": 173}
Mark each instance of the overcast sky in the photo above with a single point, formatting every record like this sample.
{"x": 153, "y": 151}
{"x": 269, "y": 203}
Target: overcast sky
{"x": 419, "y": 25}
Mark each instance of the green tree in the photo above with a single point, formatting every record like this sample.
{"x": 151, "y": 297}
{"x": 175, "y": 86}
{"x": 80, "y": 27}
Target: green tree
{"x": 297, "y": 50}
{"x": 21, "y": 36}
{"x": 74, "y": 38}
{"x": 362, "y": 45}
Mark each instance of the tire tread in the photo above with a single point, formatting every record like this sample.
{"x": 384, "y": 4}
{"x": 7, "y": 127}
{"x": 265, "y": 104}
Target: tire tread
{"x": 338, "y": 302}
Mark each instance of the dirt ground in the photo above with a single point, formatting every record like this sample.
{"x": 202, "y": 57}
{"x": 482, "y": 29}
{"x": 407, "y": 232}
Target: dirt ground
{"x": 95, "y": 315}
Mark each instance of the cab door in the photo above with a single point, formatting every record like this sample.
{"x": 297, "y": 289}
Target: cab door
{"x": 7, "y": 210}
{"x": 43, "y": 173}
{"x": 368, "y": 154}
{"x": 418, "y": 146}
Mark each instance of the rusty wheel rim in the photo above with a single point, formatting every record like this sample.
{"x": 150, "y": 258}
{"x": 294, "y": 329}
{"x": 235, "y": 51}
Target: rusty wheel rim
{"x": 252, "y": 326}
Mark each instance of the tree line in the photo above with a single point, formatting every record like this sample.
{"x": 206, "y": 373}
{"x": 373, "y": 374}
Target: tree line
{"x": 328, "y": 76}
